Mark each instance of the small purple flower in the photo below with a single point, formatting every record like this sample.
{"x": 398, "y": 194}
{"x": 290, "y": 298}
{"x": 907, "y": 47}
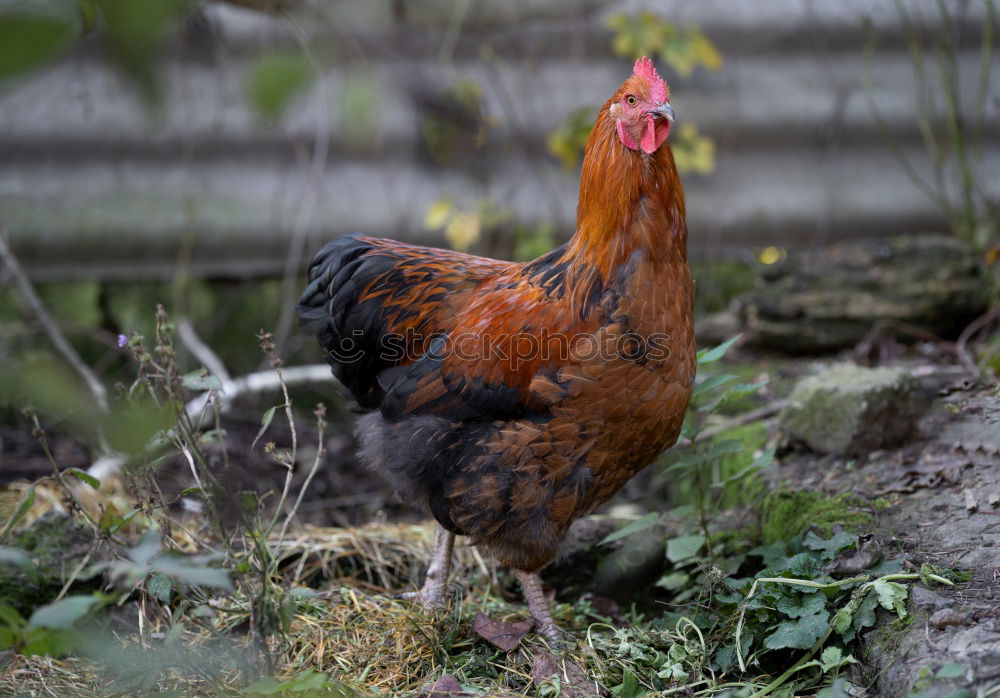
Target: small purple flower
{"x": 122, "y": 340}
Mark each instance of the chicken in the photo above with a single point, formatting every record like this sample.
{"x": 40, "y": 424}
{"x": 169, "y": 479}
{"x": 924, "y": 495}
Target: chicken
{"x": 514, "y": 398}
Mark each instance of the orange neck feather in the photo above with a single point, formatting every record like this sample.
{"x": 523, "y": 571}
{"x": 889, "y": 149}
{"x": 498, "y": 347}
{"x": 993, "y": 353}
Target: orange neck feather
{"x": 618, "y": 188}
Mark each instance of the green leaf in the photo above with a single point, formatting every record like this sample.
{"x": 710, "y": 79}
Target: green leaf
{"x": 801, "y": 604}
{"x": 20, "y": 511}
{"x": 842, "y": 620}
{"x": 799, "y": 634}
{"x": 831, "y": 546}
{"x": 201, "y": 379}
{"x": 30, "y": 40}
{"x": 712, "y": 383}
{"x": 135, "y": 34}
{"x": 699, "y": 455}
{"x": 191, "y": 570}
{"x": 864, "y": 617}
{"x": 640, "y": 524}
{"x": 16, "y": 556}
{"x": 62, "y": 614}
{"x": 10, "y": 617}
{"x": 891, "y": 596}
{"x": 684, "y": 547}
{"x": 159, "y": 586}
{"x": 707, "y": 356}
{"x": 629, "y": 687}
{"x": 265, "y": 423}
{"x": 952, "y": 670}
{"x": 174, "y": 634}
{"x": 674, "y": 581}
{"x": 833, "y": 658}
{"x": 275, "y": 79}
{"x": 85, "y": 477}
{"x": 266, "y": 686}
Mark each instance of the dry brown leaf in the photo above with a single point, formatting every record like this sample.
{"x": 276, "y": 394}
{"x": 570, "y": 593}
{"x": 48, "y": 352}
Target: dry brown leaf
{"x": 445, "y": 687}
{"x": 573, "y": 680}
{"x": 502, "y": 634}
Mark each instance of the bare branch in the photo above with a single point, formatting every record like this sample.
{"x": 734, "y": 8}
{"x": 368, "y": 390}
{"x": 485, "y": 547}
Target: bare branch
{"x": 48, "y": 324}
{"x": 208, "y": 358}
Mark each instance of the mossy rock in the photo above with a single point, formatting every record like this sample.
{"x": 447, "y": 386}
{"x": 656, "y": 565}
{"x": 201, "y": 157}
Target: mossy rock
{"x": 828, "y": 299}
{"x": 55, "y": 543}
{"x": 850, "y": 410}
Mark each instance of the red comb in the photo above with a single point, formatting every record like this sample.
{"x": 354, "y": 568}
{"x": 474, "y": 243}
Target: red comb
{"x": 658, "y": 91}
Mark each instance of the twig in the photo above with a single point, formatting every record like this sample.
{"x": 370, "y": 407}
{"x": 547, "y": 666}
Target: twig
{"x": 259, "y": 382}
{"x": 320, "y": 453}
{"x": 974, "y": 327}
{"x": 208, "y": 358}
{"x": 49, "y": 325}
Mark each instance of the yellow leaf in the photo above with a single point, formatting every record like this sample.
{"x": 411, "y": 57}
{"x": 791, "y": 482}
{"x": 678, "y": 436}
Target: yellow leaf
{"x": 438, "y": 214}
{"x": 462, "y": 230}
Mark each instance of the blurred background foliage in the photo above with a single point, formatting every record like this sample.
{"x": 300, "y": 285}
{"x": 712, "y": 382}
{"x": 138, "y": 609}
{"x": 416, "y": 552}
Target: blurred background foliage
{"x": 477, "y": 135}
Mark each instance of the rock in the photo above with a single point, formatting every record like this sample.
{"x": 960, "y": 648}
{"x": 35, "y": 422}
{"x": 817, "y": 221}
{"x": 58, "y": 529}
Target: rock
{"x": 948, "y": 616}
{"x": 831, "y": 298}
{"x": 851, "y": 410}
{"x": 923, "y": 598}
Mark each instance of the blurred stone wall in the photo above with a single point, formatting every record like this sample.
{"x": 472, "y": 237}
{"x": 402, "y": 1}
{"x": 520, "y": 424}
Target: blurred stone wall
{"x": 92, "y": 183}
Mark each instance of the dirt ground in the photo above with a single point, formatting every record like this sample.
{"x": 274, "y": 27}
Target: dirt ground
{"x": 943, "y": 495}
{"x": 940, "y": 504}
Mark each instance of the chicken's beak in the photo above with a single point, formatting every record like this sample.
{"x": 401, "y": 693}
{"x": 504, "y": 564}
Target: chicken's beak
{"x": 664, "y": 111}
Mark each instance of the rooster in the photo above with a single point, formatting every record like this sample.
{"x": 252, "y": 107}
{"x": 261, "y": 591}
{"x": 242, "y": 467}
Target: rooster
{"x": 514, "y": 398}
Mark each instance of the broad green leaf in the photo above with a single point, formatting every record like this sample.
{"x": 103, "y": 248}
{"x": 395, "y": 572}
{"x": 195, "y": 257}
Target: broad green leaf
{"x": 159, "y": 586}
{"x": 676, "y": 580}
{"x": 864, "y": 617}
{"x": 891, "y": 596}
{"x": 707, "y": 356}
{"x": 201, "y": 379}
{"x": 266, "y": 686}
{"x": 799, "y": 634}
{"x": 30, "y": 40}
{"x": 799, "y": 605}
{"x": 189, "y": 570}
{"x": 640, "y": 524}
{"x": 20, "y": 511}
{"x": 174, "y": 634}
{"x": 135, "y": 35}
{"x": 952, "y": 670}
{"x": 11, "y": 617}
{"x": 842, "y": 620}
{"x": 84, "y": 477}
{"x": 62, "y": 614}
{"x": 16, "y": 556}
{"x": 275, "y": 80}
{"x": 684, "y": 547}
{"x": 833, "y": 658}
{"x": 629, "y": 687}
{"x": 831, "y": 546}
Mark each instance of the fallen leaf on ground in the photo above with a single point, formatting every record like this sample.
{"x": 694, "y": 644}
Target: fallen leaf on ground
{"x": 502, "y": 634}
{"x": 445, "y": 687}
{"x": 572, "y": 679}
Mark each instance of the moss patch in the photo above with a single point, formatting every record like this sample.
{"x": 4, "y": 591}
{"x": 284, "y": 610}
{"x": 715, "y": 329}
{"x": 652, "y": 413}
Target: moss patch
{"x": 787, "y": 514}
{"x": 55, "y": 543}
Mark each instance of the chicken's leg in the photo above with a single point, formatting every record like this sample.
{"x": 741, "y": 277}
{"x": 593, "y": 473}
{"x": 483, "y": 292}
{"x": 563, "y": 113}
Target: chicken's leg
{"x": 531, "y": 585}
{"x": 431, "y": 594}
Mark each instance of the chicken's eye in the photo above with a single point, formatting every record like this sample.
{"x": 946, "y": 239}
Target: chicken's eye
{"x": 630, "y": 100}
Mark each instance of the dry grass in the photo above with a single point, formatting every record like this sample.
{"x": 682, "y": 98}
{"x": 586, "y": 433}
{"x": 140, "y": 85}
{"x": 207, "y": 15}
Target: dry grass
{"x": 351, "y": 627}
